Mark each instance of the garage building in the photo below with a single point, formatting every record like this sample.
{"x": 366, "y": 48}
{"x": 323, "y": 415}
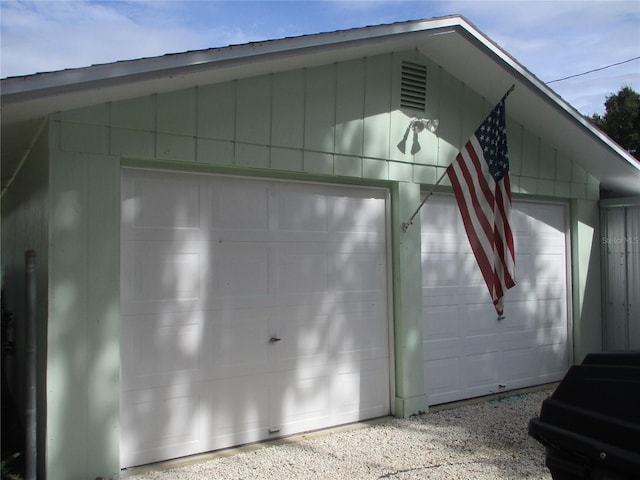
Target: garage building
{"x": 220, "y": 251}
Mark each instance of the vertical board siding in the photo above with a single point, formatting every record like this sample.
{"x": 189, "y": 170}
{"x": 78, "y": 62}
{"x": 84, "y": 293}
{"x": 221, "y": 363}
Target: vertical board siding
{"x": 253, "y": 110}
{"x": 176, "y": 112}
{"x": 616, "y": 280}
{"x": 377, "y": 107}
{"x": 621, "y": 251}
{"x": 530, "y": 155}
{"x": 216, "y": 111}
{"x": 350, "y": 107}
{"x": 450, "y": 134}
{"x": 287, "y": 113}
{"x": 633, "y": 262}
{"x": 135, "y": 114}
{"x": 103, "y": 312}
{"x": 547, "y": 162}
{"x": 25, "y": 218}
{"x": 320, "y": 109}
{"x": 312, "y": 121}
{"x": 67, "y": 374}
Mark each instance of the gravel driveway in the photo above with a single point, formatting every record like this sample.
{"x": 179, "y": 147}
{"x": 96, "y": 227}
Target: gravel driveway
{"x": 485, "y": 440}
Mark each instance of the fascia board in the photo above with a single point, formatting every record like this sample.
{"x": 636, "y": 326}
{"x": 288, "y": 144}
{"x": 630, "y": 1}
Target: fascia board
{"x": 14, "y": 89}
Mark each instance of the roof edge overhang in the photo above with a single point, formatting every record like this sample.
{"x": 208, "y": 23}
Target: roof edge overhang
{"x": 42, "y": 85}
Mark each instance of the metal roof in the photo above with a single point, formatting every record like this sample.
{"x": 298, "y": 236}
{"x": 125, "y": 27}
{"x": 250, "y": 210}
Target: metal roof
{"x": 452, "y": 42}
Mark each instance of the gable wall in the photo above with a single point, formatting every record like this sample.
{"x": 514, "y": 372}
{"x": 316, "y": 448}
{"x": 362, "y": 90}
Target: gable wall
{"x": 338, "y": 122}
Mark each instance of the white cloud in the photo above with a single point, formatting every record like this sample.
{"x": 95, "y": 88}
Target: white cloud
{"x": 46, "y": 36}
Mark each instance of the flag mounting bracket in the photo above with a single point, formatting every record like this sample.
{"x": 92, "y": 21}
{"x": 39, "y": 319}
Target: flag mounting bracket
{"x": 409, "y": 222}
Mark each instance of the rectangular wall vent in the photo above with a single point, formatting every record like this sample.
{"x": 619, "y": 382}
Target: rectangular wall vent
{"x": 413, "y": 86}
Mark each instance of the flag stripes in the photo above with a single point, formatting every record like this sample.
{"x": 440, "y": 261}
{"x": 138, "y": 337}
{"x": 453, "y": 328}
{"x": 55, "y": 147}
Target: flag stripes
{"x": 479, "y": 176}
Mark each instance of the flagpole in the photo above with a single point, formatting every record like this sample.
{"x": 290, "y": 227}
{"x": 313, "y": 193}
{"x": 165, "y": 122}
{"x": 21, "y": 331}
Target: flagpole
{"x": 513, "y": 87}
{"x": 406, "y": 225}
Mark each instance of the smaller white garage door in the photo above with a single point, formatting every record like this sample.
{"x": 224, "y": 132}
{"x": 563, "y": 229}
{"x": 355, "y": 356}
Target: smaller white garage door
{"x": 251, "y": 309}
{"x": 468, "y": 352}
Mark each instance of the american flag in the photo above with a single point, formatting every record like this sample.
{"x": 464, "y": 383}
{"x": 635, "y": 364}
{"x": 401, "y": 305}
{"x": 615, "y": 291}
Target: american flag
{"x": 480, "y": 179}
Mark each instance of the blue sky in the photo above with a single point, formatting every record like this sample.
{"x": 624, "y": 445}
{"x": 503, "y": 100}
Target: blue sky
{"x": 552, "y": 39}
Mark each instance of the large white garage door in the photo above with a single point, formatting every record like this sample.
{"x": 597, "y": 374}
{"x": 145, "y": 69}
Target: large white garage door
{"x": 468, "y": 352}
{"x": 251, "y": 309}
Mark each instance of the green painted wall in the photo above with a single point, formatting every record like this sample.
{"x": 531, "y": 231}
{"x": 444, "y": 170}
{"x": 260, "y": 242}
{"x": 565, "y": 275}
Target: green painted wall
{"x": 25, "y": 214}
{"x": 339, "y": 122}
{"x": 587, "y": 288}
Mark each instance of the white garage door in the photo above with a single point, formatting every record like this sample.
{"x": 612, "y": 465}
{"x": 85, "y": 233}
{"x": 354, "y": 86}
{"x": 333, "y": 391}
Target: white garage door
{"x": 251, "y": 309}
{"x": 468, "y": 352}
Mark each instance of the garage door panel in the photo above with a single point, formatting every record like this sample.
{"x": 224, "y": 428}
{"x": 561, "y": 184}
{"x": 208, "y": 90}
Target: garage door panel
{"x": 359, "y": 272}
{"x": 302, "y": 211}
{"x": 444, "y": 324}
{"x": 439, "y": 242}
{"x": 160, "y": 203}
{"x": 346, "y": 333}
{"x": 239, "y": 344}
{"x": 179, "y": 433}
{"x": 480, "y": 370}
{"x": 535, "y": 310}
{"x": 522, "y": 319}
{"x": 356, "y": 395}
{"x": 231, "y": 407}
{"x": 240, "y": 270}
{"x": 167, "y": 276}
{"x": 241, "y": 205}
{"x": 162, "y": 277}
{"x": 518, "y": 365}
{"x": 305, "y": 339}
{"x": 436, "y": 217}
{"x": 475, "y": 321}
{"x": 302, "y": 401}
{"x": 444, "y": 377}
{"x": 518, "y": 340}
{"x": 519, "y": 312}
{"x": 265, "y": 308}
{"x": 437, "y": 351}
{"x": 440, "y": 270}
{"x": 550, "y": 312}
{"x": 303, "y": 273}
{"x": 551, "y": 336}
{"x": 168, "y": 350}
{"x": 359, "y": 215}
{"x": 552, "y": 359}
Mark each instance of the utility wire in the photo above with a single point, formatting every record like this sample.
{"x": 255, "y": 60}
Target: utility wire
{"x": 594, "y": 70}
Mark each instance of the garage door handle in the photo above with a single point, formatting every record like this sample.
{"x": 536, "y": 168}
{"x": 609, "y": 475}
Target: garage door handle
{"x": 274, "y": 339}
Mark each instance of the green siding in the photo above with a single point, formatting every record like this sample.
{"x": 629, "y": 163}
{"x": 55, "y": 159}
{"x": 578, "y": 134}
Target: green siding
{"x": 407, "y": 301}
{"x": 287, "y": 121}
{"x": 338, "y": 122}
{"x": 253, "y": 110}
{"x": 216, "y": 111}
{"x": 585, "y": 258}
{"x": 83, "y": 355}
{"x": 320, "y": 109}
{"x": 349, "y": 121}
{"x": 25, "y": 216}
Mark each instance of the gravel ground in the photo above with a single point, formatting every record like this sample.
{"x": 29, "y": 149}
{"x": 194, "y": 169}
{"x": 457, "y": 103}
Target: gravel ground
{"x": 486, "y": 440}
